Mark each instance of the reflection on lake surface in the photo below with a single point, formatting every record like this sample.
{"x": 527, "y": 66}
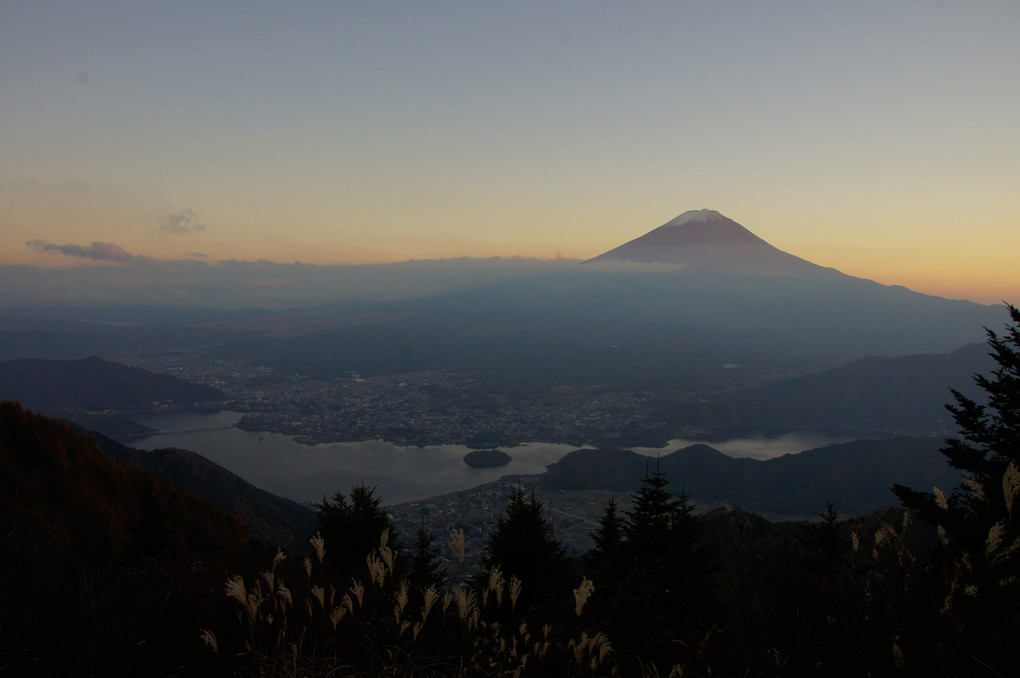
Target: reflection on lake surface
{"x": 306, "y": 473}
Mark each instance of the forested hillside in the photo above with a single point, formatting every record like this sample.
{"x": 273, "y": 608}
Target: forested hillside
{"x": 268, "y": 517}
{"x": 106, "y": 569}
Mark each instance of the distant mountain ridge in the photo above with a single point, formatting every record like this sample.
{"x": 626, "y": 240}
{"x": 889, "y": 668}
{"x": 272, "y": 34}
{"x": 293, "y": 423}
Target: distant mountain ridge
{"x": 856, "y": 476}
{"x": 706, "y": 239}
{"x": 685, "y": 334}
{"x": 95, "y": 384}
{"x": 887, "y": 395}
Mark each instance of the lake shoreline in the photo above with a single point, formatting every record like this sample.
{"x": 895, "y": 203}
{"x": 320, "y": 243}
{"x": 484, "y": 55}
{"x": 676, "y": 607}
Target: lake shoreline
{"x": 305, "y": 473}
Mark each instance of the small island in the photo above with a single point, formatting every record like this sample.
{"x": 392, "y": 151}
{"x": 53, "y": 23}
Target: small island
{"x": 252, "y": 423}
{"x": 486, "y": 458}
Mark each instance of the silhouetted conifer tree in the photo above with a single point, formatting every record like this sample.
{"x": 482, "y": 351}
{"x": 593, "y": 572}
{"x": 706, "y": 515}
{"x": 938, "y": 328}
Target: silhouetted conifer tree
{"x": 525, "y": 546}
{"x": 648, "y": 522}
{"x": 663, "y": 533}
{"x": 658, "y": 596}
{"x": 607, "y": 562}
{"x": 827, "y": 541}
{"x": 351, "y": 528}
{"x": 608, "y": 537}
{"x": 978, "y": 522}
{"x": 424, "y": 567}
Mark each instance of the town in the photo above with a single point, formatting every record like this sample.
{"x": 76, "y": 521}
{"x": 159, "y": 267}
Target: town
{"x": 426, "y": 407}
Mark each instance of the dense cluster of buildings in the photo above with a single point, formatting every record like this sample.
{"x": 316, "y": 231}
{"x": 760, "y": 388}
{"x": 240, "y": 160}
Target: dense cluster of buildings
{"x": 422, "y": 408}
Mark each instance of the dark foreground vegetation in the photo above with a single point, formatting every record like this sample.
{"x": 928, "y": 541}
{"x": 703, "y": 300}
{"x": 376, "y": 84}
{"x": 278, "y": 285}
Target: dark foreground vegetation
{"x": 107, "y": 570}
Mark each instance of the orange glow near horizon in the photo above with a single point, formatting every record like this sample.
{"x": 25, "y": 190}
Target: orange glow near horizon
{"x": 353, "y": 133}
{"x": 937, "y": 262}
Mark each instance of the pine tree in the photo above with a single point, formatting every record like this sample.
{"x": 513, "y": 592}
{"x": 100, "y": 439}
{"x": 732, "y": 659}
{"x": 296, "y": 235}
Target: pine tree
{"x": 988, "y": 452}
{"x": 657, "y": 598}
{"x": 608, "y": 537}
{"x": 663, "y": 536}
{"x": 525, "y": 546}
{"x": 424, "y": 568}
{"x": 978, "y": 522}
{"x": 647, "y": 525}
{"x": 352, "y": 527}
{"x": 826, "y": 541}
{"x": 605, "y": 563}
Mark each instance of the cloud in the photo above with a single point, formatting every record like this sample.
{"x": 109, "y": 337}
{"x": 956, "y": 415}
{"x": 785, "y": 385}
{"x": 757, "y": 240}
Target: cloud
{"x": 97, "y": 251}
{"x": 180, "y": 222}
{"x": 139, "y": 279}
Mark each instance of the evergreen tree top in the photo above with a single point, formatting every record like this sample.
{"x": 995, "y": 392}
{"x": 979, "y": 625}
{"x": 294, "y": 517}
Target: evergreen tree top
{"x": 987, "y": 451}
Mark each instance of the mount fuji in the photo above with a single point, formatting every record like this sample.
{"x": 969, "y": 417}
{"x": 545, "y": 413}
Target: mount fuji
{"x": 705, "y": 239}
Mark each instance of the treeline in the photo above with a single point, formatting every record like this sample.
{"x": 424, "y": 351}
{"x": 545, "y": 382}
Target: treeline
{"x": 104, "y": 569}
{"x": 663, "y": 592}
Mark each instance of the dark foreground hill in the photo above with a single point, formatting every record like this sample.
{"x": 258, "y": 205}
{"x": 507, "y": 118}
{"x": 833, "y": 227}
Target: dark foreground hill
{"x": 855, "y": 476}
{"x": 106, "y": 569}
{"x": 53, "y": 472}
{"x": 268, "y": 517}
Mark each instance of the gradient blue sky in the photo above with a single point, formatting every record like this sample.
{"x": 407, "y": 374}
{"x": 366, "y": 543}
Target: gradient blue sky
{"x": 880, "y": 138}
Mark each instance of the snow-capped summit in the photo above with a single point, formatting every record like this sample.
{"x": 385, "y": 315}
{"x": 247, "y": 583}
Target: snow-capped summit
{"x": 689, "y": 216}
{"x": 706, "y": 239}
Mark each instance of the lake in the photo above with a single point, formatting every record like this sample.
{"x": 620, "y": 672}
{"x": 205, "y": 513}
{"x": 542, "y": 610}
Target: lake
{"x": 306, "y": 473}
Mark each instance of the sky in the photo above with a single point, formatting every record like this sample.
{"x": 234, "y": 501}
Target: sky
{"x": 879, "y": 138}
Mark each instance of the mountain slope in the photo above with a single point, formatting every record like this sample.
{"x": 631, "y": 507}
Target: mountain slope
{"x": 645, "y": 329}
{"x": 51, "y": 469}
{"x": 107, "y": 569}
{"x": 707, "y": 239}
{"x": 268, "y": 517}
{"x": 95, "y": 384}
{"x": 856, "y": 476}
{"x": 904, "y": 394}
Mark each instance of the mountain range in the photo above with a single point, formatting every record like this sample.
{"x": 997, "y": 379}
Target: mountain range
{"x": 695, "y": 312}
{"x": 735, "y": 301}
{"x": 718, "y": 327}
{"x": 268, "y": 517}
{"x": 670, "y": 307}
{"x": 854, "y": 476}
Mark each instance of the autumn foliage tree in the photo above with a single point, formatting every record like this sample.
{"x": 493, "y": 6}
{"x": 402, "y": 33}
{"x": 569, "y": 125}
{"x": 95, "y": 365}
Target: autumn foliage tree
{"x": 105, "y": 568}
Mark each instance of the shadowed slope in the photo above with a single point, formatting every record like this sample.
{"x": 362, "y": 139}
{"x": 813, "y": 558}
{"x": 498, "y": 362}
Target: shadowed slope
{"x": 855, "y": 476}
{"x": 95, "y": 384}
